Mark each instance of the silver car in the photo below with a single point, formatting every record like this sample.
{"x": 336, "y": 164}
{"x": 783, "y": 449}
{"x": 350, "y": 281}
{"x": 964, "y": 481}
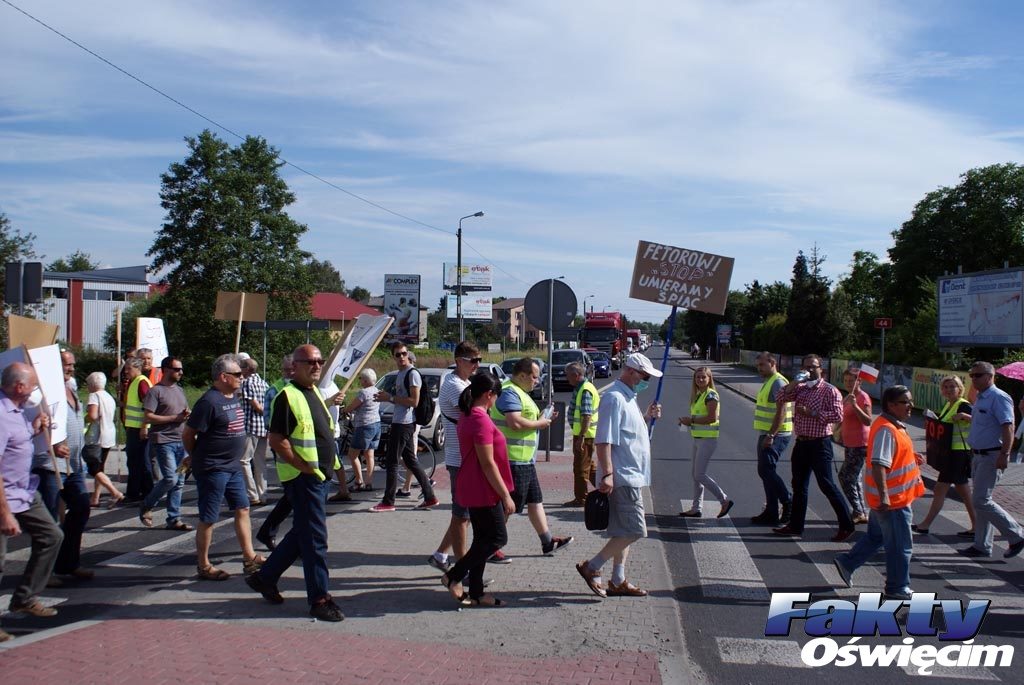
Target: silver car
{"x": 432, "y": 382}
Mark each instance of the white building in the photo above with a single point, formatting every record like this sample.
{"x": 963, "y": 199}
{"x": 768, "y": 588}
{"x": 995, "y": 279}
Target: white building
{"x": 83, "y": 303}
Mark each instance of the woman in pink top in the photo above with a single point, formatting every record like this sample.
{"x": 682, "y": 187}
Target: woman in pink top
{"x": 854, "y": 430}
{"x": 483, "y": 486}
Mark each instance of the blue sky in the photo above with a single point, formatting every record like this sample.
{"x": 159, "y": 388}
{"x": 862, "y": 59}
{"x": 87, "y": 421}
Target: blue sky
{"x": 747, "y": 129}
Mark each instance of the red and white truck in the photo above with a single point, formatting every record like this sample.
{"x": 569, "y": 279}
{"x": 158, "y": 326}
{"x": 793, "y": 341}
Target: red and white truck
{"x": 605, "y": 331}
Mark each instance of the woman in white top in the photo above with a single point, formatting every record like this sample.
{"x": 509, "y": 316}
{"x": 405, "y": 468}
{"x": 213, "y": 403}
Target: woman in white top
{"x": 100, "y": 436}
{"x": 365, "y": 412}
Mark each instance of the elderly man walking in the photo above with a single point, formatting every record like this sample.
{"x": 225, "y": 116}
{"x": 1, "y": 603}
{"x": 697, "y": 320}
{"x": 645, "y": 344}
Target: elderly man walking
{"x": 214, "y": 437}
{"x": 624, "y": 467}
{"x": 583, "y": 413}
{"x": 302, "y": 436}
{"x": 21, "y": 508}
{"x": 990, "y": 439}
{"x": 254, "y": 461}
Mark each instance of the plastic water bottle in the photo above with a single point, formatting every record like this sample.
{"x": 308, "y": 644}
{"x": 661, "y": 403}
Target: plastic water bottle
{"x": 801, "y": 376}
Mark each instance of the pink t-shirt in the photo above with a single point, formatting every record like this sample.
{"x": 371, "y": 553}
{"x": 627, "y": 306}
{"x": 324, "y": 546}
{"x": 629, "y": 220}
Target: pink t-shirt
{"x": 855, "y": 433}
{"x": 472, "y": 488}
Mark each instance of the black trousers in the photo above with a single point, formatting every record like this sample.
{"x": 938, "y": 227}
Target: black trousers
{"x": 401, "y": 442}
{"x": 489, "y": 535}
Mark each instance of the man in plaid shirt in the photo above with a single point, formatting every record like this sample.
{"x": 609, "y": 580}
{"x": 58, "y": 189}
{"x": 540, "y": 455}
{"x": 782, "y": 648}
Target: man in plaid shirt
{"x": 254, "y": 389}
{"x": 817, "y": 407}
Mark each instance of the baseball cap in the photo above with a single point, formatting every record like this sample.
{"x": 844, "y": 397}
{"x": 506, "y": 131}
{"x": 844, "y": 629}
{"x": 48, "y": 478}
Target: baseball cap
{"x": 640, "y": 362}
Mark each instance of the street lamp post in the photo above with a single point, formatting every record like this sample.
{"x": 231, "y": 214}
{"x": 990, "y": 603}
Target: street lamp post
{"x": 343, "y": 323}
{"x": 458, "y": 278}
{"x": 583, "y": 310}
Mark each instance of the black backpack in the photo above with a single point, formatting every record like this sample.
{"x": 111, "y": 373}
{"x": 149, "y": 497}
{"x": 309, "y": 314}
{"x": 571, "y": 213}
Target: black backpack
{"x": 424, "y": 411}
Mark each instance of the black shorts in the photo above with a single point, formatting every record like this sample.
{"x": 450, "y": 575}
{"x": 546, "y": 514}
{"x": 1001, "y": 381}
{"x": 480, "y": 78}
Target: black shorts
{"x": 527, "y": 487}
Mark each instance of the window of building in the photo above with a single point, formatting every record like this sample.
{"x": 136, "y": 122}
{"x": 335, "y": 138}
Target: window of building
{"x": 58, "y": 293}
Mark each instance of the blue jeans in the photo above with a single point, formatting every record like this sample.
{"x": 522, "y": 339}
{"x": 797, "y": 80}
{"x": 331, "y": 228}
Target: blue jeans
{"x": 775, "y": 490}
{"x": 889, "y": 530}
{"x": 76, "y": 514}
{"x": 168, "y": 456}
{"x": 307, "y": 537}
{"x": 815, "y": 456}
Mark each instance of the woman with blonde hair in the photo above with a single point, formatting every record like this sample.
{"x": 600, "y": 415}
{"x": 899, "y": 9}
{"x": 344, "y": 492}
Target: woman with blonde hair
{"x": 956, "y": 470}
{"x": 703, "y": 423}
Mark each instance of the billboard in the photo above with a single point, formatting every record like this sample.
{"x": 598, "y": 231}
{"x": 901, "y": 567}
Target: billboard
{"x": 678, "y": 277}
{"x": 474, "y": 307}
{"x": 981, "y": 309}
{"x": 475, "y": 277}
{"x": 402, "y": 303}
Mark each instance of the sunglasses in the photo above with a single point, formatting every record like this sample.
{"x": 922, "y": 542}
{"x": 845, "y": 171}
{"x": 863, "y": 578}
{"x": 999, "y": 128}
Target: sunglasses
{"x": 399, "y": 355}
{"x": 236, "y": 374}
{"x": 904, "y": 401}
{"x": 311, "y": 362}
{"x": 177, "y": 369}
{"x": 472, "y": 360}
{"x": 978, "y": 375}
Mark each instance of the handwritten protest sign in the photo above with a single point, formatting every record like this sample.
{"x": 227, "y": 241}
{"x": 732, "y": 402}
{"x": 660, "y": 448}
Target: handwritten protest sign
{"x": 675, "y": 276}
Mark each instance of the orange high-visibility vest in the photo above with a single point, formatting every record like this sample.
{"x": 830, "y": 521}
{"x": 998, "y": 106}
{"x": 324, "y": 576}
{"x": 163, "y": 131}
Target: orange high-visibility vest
{"x": 903, "y": 481}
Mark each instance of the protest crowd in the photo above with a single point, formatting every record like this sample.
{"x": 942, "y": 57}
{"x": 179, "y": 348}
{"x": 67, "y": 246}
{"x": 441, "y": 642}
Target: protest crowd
{"x": 242, "y": 426}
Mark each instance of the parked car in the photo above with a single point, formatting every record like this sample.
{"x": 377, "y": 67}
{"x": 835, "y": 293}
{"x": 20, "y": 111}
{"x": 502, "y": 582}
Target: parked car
{"x": 432, "y": 381}
{"x": 602, "y": 364}
{"x": 539, "y": 393}
{"x": 561, "y": 358}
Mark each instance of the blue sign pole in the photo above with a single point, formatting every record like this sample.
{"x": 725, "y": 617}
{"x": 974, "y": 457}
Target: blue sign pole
{"x": 664, "y": 363}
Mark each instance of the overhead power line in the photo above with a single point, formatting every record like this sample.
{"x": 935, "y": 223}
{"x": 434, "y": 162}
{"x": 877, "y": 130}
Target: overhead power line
{"x": 228, "y": 130}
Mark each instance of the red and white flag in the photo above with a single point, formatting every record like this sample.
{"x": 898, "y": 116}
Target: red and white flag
{"x": 867, "y": 373}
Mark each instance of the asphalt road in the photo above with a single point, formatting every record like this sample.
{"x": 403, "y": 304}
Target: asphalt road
{"x": 724, "y": 570}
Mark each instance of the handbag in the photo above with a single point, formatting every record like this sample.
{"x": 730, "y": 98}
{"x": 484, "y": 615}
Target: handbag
{"x": 595, "y": 510}
{"x": 938, "y": 440}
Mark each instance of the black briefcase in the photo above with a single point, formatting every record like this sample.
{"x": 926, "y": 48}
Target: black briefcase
{"x": 595, "y": 510}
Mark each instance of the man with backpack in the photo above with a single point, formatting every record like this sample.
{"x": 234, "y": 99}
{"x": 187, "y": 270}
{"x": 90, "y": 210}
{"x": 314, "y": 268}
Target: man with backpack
{"x": 412, "y": 407}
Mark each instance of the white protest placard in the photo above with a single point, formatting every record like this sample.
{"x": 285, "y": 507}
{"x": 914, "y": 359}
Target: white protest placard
{"x": 149, "y": 333}
{"x": 349, "y": 355}
{"x": 46, "y": 361}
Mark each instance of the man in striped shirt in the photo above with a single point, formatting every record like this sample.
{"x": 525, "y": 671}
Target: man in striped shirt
{"x": 818, "y": 405}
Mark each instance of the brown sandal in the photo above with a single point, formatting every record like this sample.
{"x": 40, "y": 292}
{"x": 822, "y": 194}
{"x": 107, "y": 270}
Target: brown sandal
{"x": 212, "y": 573}
{"x": 251, "y": 566}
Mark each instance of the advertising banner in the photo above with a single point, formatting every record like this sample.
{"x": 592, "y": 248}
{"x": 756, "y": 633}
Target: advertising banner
{"x": 402, "y": 303}
{"x": 475, "y": 277}
{"x": 474, "y": 307}
{"x": 981, "y": 309}
{"x": 690, "y": 279}
{"x": 724, "y": 334}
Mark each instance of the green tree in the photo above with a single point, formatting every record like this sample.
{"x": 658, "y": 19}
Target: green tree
{"x": 360, "y": 294}
{"x": 761, "y": 302}
{"x": 226, "y": 228}
{"x": 76, "y": 261}
{"x": 15, "y": 246}
{"x": 976, "y": 225}
{"x": 807, "y": 316}
{"x": 325, "y": 278}
{"x": 130, "y": 314}
{"x": 863, "y": 296}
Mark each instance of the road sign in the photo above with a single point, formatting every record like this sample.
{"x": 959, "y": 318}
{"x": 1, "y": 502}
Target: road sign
{"x": 537, "y": 304}
{"x": 883, "y": 322}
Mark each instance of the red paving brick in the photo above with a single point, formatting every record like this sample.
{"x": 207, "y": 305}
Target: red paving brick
{"x": 205, "y": 651}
